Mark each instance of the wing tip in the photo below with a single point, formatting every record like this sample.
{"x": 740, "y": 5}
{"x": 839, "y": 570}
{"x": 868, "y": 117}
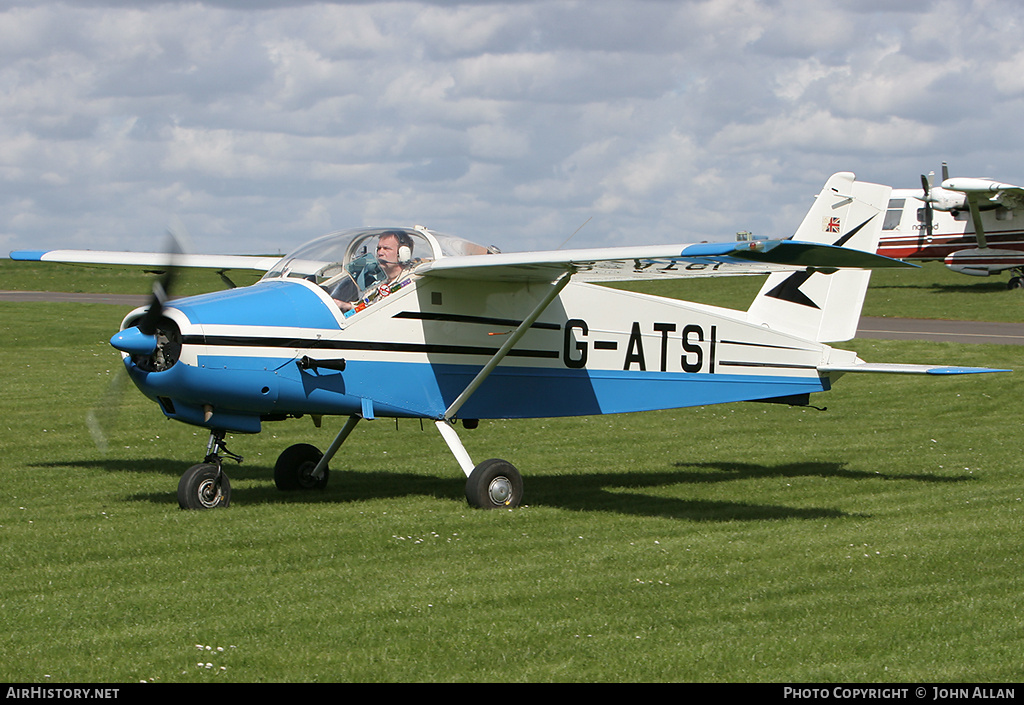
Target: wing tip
{"x": 28, "y": 255}
{"x": 963, "y": 370}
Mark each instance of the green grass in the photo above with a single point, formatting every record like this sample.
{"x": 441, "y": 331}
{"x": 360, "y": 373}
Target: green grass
{"x": 77, "y": 278}
{"x": 876, "y": 541}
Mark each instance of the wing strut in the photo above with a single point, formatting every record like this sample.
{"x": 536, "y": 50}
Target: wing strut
{"x": 517, "y": 334}
{"x": 444, "y": 424}
{"x": 979, "y": 229}
{"x": 347, "y": 429}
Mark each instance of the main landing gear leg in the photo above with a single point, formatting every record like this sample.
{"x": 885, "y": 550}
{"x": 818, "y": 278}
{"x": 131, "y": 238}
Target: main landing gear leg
{"x": 204, "y": 485}
{"x": 492, "y": 484}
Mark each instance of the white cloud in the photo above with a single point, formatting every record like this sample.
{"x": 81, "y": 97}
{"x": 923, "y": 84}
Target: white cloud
{"x": 262, "y": 124}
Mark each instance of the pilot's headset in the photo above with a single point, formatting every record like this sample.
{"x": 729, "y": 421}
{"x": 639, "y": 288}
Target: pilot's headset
{"x": 405, "y": 246}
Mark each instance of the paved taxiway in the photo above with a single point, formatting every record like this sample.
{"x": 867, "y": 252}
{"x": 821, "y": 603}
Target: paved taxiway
{"x": 886, "y": 328}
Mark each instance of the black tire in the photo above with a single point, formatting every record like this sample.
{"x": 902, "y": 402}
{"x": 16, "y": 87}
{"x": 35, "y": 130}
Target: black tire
{"x": 494, "y": 484}
{"x": 294, "y": 468}
{"x": 1015, "y": 283}
{"x": 204, "y": 486}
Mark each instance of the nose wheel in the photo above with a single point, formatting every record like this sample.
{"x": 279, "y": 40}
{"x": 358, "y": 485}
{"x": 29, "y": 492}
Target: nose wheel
{"x": 204, "y": 485}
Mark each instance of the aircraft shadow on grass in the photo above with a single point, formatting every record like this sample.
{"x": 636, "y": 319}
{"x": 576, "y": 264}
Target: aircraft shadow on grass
{"x": 621, "y": 492}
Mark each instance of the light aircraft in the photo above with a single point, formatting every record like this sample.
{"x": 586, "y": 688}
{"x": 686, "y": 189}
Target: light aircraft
{"x": 968, "y": 223}
{"x": 407, "y": 322}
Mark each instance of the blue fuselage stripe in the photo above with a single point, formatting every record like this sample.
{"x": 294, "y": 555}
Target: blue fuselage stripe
{"x": 266, "y": 386}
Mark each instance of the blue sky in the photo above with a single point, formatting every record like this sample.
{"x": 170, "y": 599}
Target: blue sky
{"x": 261, "y": 125}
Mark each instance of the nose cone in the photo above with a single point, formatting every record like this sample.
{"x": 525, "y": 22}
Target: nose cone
{"x": 134, "y": 342}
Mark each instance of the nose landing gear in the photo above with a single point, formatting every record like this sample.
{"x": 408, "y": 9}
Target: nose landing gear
{"x": 205, "y": 485}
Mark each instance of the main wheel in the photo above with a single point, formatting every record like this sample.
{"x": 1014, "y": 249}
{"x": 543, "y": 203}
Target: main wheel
{"x": 295, "y": 466}
{"x": 493, "y": 484}
{"x": 204, "y": 486}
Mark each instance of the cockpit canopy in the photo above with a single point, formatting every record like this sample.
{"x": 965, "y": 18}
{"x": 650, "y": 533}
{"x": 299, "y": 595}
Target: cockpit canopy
{"x": 344, "y": 247}
{"x": 345, "y": 263}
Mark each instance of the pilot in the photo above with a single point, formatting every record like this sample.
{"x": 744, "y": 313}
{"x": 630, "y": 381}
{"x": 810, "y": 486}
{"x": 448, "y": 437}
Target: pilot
{"x": 394, "y": 255}
{"x": 394, "y": 251}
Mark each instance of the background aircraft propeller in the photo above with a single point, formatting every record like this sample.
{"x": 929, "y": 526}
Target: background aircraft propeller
{"x": 927, "y": 183}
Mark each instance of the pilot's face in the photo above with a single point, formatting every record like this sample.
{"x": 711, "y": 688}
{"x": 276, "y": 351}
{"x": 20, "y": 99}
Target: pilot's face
{"x": 387, "y": 253}
{"x": 387, "y": 249}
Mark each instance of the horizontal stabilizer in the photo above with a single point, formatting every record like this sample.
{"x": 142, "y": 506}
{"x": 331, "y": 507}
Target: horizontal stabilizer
{"x": 793, "y": 253}
{"x": 901, "y": 369}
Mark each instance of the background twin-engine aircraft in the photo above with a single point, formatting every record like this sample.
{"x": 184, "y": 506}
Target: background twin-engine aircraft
{"x": 968, "y": 223}
{"x": 407, "y": 322}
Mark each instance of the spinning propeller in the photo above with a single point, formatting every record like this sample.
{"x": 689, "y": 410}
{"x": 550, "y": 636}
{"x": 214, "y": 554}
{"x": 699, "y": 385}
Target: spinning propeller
{"x": 142, "y": 339}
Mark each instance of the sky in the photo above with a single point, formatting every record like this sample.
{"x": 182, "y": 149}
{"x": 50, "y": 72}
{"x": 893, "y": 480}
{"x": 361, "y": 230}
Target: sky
{"x": 524, "y": 124}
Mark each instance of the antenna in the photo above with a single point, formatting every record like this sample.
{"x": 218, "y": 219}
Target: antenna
{"x": 574, "y": 232}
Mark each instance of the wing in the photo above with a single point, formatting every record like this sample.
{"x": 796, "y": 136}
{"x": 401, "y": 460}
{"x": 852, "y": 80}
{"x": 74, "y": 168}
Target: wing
{"x": 998, "y": 193}
{"x": 147, "y": 259}
{"x": 985, "y": 193}
{"x": 659, "y": 262}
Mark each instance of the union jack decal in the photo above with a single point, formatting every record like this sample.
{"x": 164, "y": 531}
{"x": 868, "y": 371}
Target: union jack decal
{"x": 831, "y": 225}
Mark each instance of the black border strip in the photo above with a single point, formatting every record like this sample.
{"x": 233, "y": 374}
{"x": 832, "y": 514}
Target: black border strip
{"x": 231, "y": 341}
{"x": 459, "y": 318}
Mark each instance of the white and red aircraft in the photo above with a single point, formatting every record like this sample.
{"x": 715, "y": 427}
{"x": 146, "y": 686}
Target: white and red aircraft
{"x": 408, "y": 322}
{"x": 975, "y": 226}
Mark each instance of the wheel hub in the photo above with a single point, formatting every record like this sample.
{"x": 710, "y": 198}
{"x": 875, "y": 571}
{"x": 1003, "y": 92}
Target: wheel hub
{"x": 500, "y": 490}
{"x": 209, "y": 493}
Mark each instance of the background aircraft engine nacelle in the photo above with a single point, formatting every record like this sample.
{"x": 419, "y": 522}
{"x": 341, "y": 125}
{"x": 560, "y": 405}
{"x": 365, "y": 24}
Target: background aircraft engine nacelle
{"x": 948, "y": 201}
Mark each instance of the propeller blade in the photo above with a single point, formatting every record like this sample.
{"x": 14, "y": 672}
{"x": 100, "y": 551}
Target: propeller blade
{"x": 101, "y": 418}
{"x": 177, "y": 241}
{"x": 926, "y": 184}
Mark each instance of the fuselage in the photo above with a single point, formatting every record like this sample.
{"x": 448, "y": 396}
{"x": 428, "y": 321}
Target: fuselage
{"x": 283, "y": 347}
{"x": 951, "y": 238}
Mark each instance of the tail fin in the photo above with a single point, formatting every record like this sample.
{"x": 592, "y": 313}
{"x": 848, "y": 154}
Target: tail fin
{"x": 817, "y": 305}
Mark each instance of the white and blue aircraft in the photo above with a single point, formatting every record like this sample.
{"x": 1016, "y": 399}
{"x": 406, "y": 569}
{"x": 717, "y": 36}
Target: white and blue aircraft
{"x": 407, "y": 322}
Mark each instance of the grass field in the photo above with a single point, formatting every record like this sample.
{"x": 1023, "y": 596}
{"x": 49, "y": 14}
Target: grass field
{"x": 876, "y": 541}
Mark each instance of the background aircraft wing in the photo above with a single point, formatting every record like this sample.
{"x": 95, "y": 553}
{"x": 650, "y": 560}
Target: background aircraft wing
{"x": 157, "y": 260}
{"x": 658, "y": 262}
